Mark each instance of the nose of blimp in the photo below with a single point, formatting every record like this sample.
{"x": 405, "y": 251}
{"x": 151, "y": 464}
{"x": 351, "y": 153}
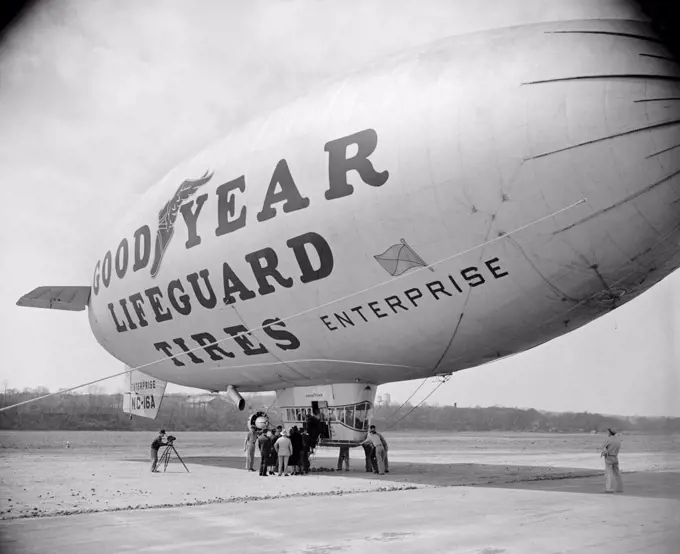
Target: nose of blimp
{"x": 603, "y": 121}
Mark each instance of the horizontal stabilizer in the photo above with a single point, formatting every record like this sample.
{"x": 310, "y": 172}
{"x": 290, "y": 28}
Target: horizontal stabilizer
{"x": 73, "y": 299}
{"x": 144, "y": 395}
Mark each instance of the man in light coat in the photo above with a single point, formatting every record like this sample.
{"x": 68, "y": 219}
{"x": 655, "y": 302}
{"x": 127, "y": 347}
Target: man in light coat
{"x": 249, "y": 448}
{"x": 284, "y": 450}
{"x": 610, "y": 453}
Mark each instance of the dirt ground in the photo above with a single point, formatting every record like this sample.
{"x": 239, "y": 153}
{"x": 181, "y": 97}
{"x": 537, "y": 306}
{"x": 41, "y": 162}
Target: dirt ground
{"x": 60, "y": 473}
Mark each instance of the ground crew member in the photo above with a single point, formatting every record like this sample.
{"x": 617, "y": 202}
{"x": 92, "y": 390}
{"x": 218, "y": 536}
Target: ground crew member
{"x": 249, "y": 448}
{"x": 284, "y": 449}
{"x": 312, "y": 425}
{"x": 375, "y": 440}
{"x": 264, "y": 444}
{"x": 295, "y": 460}
{"x": 343, "y": 457}
{"x": 272, "y": 461}
{"x": 368, "y": 452}
{"x": 306, "y": 448}
{"x": 384, "y": 442}
{"x": 610, "y": 453}
{"x": 155, "y": 445}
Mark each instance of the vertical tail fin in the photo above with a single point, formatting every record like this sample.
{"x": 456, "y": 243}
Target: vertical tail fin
{"x": 144, "y": 396}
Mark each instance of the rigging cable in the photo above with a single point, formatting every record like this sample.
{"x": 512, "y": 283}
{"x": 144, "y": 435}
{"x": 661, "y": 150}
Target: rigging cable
{"x": 405, "y": 401}
{"x": 444, "y": 379}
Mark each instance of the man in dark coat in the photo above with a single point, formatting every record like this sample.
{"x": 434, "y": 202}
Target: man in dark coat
{"x": 385, "y": 447}
{"x": 368, "y": 452}
{"x": 312, "y": 425}
{"x": 155, "y": 445}
{"x": 274, "y": 435}
{"x": 306, "y": 449}
{"x": 296, "y": 458}
{"x": 264, "y": 444}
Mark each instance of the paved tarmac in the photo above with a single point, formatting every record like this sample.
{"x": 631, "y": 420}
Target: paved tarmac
{"x": 481, "y": 494}
{"x": 548, "y": 516}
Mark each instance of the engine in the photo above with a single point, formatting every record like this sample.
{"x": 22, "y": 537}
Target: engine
{"x": 259, "y": 420}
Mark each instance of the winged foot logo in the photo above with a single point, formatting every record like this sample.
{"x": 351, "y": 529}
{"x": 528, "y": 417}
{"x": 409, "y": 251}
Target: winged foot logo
{"x": 168, "y": 215}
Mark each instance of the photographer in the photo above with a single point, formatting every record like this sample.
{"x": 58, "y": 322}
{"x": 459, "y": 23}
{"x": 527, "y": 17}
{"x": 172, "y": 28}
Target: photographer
{"x": 155, "y": 445}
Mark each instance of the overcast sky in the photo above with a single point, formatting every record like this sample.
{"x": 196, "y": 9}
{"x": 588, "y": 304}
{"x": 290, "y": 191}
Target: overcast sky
{"x": 99, "y": 99}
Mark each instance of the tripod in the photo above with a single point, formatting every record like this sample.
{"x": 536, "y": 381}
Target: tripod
{"x": 167, "y": 453}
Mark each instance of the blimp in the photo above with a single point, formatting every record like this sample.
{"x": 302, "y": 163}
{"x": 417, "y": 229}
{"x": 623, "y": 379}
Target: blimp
{"x": 431, "y": 212}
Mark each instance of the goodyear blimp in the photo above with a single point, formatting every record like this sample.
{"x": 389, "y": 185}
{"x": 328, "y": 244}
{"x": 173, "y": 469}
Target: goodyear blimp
{"x": 449, "y": 206}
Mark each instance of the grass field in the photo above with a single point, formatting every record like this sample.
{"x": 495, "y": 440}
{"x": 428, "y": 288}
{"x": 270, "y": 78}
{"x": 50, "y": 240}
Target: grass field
{"x": 231, "y": 442}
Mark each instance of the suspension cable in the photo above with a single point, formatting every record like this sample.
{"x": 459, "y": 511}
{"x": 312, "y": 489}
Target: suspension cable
{"x": 405, "y": 401}
{"x": 444, "y": 379}
{"x": 271, "y": 405}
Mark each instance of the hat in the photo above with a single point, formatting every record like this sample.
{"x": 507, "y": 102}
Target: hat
{"x": 162, "y": 432}
{"x": 611, "y": 431}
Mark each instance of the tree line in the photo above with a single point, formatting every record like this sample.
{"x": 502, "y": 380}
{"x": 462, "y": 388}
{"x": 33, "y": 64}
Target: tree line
{"x": 180, "y": 412}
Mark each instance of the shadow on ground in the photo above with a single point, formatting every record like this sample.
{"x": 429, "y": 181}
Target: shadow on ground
{"x": 544, "y": 478}
{"x": 445, "y": 475}
{"x": 642, "y": 484}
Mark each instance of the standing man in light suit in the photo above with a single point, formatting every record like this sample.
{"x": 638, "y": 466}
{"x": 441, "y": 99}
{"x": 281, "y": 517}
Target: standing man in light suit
{"x": 610, "y": 453}
{"x": 249, "y": 448}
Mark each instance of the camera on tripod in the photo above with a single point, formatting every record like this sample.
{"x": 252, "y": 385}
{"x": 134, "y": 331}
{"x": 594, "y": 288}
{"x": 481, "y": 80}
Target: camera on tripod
{"x": 169, "y": 451}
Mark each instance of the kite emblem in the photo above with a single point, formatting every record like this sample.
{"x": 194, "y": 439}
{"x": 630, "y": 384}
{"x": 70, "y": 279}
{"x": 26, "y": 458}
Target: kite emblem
{"x": 168, "y": 215}
{"x": 399, "y": 258}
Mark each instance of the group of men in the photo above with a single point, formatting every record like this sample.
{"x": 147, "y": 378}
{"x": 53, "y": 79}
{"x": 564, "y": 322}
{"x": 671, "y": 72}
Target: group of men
{"x": 280, "y": 448}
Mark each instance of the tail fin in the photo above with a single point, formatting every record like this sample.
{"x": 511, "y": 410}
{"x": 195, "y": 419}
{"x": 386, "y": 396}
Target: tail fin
{"x": 73, "y": 299}
{"x": 145, "y": 395}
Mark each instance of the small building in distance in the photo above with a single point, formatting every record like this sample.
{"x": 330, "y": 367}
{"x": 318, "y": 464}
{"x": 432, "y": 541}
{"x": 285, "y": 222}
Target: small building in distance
{"x": 383, "y": 399}
{"x": 203, "y": 401}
